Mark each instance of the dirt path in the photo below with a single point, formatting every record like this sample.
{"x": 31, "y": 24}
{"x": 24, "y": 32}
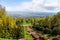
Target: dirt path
{"x": 35, "y": 35}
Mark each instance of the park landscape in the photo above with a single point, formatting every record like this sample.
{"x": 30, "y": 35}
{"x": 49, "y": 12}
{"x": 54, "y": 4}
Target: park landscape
{"x": 29, "y": 27}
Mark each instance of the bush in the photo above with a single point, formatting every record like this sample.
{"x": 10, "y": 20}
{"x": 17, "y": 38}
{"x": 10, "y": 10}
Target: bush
{"x": 8, "y": 32}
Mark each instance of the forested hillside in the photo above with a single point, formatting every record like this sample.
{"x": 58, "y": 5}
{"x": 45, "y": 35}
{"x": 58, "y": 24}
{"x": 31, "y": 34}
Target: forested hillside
{"x": 48, "y": 25}
{"x": 15, "y": 27}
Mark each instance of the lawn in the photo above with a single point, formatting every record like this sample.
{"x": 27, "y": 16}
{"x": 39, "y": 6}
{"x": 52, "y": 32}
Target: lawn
{"x": 27, "y": 36}
{"x": 7, "y": 39}
{"x": 27, "y": 24}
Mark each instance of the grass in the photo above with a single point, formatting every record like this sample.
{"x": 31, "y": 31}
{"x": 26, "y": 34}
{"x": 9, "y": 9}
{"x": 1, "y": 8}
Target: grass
{"x": 27, "y": 24}
{"x": 7, "y": 39}
{"x": 27, "y": 36}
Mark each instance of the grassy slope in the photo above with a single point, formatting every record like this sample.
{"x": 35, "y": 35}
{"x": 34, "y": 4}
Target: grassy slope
{"x": 7, "y": 39}
{"x": 27, "y": 36}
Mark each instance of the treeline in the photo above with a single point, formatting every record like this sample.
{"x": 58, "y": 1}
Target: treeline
{"x": 10, "y": 27}
{"x": 48, "y": 25}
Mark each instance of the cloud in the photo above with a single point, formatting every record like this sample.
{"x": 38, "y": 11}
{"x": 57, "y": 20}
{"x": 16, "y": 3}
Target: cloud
{"x": 37, "y": 6}
{"x": 22, "y": 7}
{"x": 46, "y": 5}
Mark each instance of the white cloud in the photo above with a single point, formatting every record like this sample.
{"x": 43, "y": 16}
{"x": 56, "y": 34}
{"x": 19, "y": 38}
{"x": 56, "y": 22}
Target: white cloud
{"x": 52, "y": 4}
{"x": 24, "y": 6}
{"x": 36, "y": 5}
{"x": 42, "y": 5}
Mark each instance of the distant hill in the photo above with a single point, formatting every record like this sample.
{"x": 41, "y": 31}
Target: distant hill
{"x": 26, "y": 14}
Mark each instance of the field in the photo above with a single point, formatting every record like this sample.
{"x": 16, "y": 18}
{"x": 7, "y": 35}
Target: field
{"x": 7, "y": 39}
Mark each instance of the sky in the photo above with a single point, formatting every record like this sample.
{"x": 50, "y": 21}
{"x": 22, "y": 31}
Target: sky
{"x": 31, "y": 5}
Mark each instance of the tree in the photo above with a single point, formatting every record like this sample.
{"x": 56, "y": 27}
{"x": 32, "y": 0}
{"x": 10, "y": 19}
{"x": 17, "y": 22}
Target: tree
{"x": 2, "y": 11}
